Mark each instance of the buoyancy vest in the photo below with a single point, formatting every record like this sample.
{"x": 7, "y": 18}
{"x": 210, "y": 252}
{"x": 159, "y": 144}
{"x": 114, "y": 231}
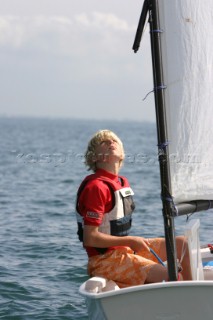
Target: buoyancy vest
{"x": 118, "y": 220}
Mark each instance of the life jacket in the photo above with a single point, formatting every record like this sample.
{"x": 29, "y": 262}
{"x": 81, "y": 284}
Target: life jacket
{"x": 118, "y": 221}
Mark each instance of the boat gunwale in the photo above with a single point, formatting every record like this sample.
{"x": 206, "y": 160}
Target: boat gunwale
{"x": 151, "y": 286}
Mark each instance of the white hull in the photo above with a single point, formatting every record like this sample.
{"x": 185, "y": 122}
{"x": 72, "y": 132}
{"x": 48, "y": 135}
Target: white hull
{"x": 189, "y": 300}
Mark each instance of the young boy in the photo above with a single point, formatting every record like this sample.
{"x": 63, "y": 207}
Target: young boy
{"x": 104, "y": 214}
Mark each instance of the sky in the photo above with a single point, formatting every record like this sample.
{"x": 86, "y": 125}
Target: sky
{"x": 74, "y": 59}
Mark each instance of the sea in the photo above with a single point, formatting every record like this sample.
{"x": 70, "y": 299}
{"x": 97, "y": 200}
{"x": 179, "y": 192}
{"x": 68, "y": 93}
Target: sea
{"x": 42, "y": 263}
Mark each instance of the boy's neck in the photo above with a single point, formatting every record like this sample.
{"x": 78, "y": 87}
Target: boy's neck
{"x": 112, "y": 168}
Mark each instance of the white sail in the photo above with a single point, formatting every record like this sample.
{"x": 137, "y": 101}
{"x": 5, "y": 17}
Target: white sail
{"x": 187, "y": 56}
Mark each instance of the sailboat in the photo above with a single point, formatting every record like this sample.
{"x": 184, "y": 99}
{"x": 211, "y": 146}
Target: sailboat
{"x": 181, "y": 35}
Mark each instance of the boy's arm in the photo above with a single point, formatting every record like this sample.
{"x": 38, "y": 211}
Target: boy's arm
{"x": 94, "y": 238}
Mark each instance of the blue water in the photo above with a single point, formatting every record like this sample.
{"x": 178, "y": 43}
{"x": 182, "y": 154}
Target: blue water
{"x": 42, "y": 263}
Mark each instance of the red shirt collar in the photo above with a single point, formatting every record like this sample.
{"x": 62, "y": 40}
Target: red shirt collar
{"x": 102, "y": 172}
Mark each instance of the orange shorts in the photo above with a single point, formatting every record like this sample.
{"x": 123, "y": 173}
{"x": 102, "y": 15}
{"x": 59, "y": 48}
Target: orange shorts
{"x": 123, "y": 266}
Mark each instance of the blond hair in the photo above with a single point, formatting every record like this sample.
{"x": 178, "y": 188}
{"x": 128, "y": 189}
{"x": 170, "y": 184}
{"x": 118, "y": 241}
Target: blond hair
{"x": 99, "y": 136}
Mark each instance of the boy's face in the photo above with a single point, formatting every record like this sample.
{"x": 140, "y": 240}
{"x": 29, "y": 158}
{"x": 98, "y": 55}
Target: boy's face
{"x": 108, "y": 150}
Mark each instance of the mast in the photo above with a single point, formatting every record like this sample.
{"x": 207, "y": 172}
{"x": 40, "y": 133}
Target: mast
{"x": 151, "y": 6}
{"x": 163, "y": 155}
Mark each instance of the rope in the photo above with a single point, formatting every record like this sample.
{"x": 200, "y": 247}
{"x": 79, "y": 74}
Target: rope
{"x": 162, "y": 87}
{"x": 163, "y": 145}
{"x": 157, "y": 31}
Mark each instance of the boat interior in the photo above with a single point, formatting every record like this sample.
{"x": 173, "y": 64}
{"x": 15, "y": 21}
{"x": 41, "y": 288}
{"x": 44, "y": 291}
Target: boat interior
{"x": 201, "y": 260}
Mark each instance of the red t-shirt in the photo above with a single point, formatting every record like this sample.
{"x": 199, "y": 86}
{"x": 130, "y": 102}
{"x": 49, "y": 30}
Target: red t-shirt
{"x": 95, "y": 200}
